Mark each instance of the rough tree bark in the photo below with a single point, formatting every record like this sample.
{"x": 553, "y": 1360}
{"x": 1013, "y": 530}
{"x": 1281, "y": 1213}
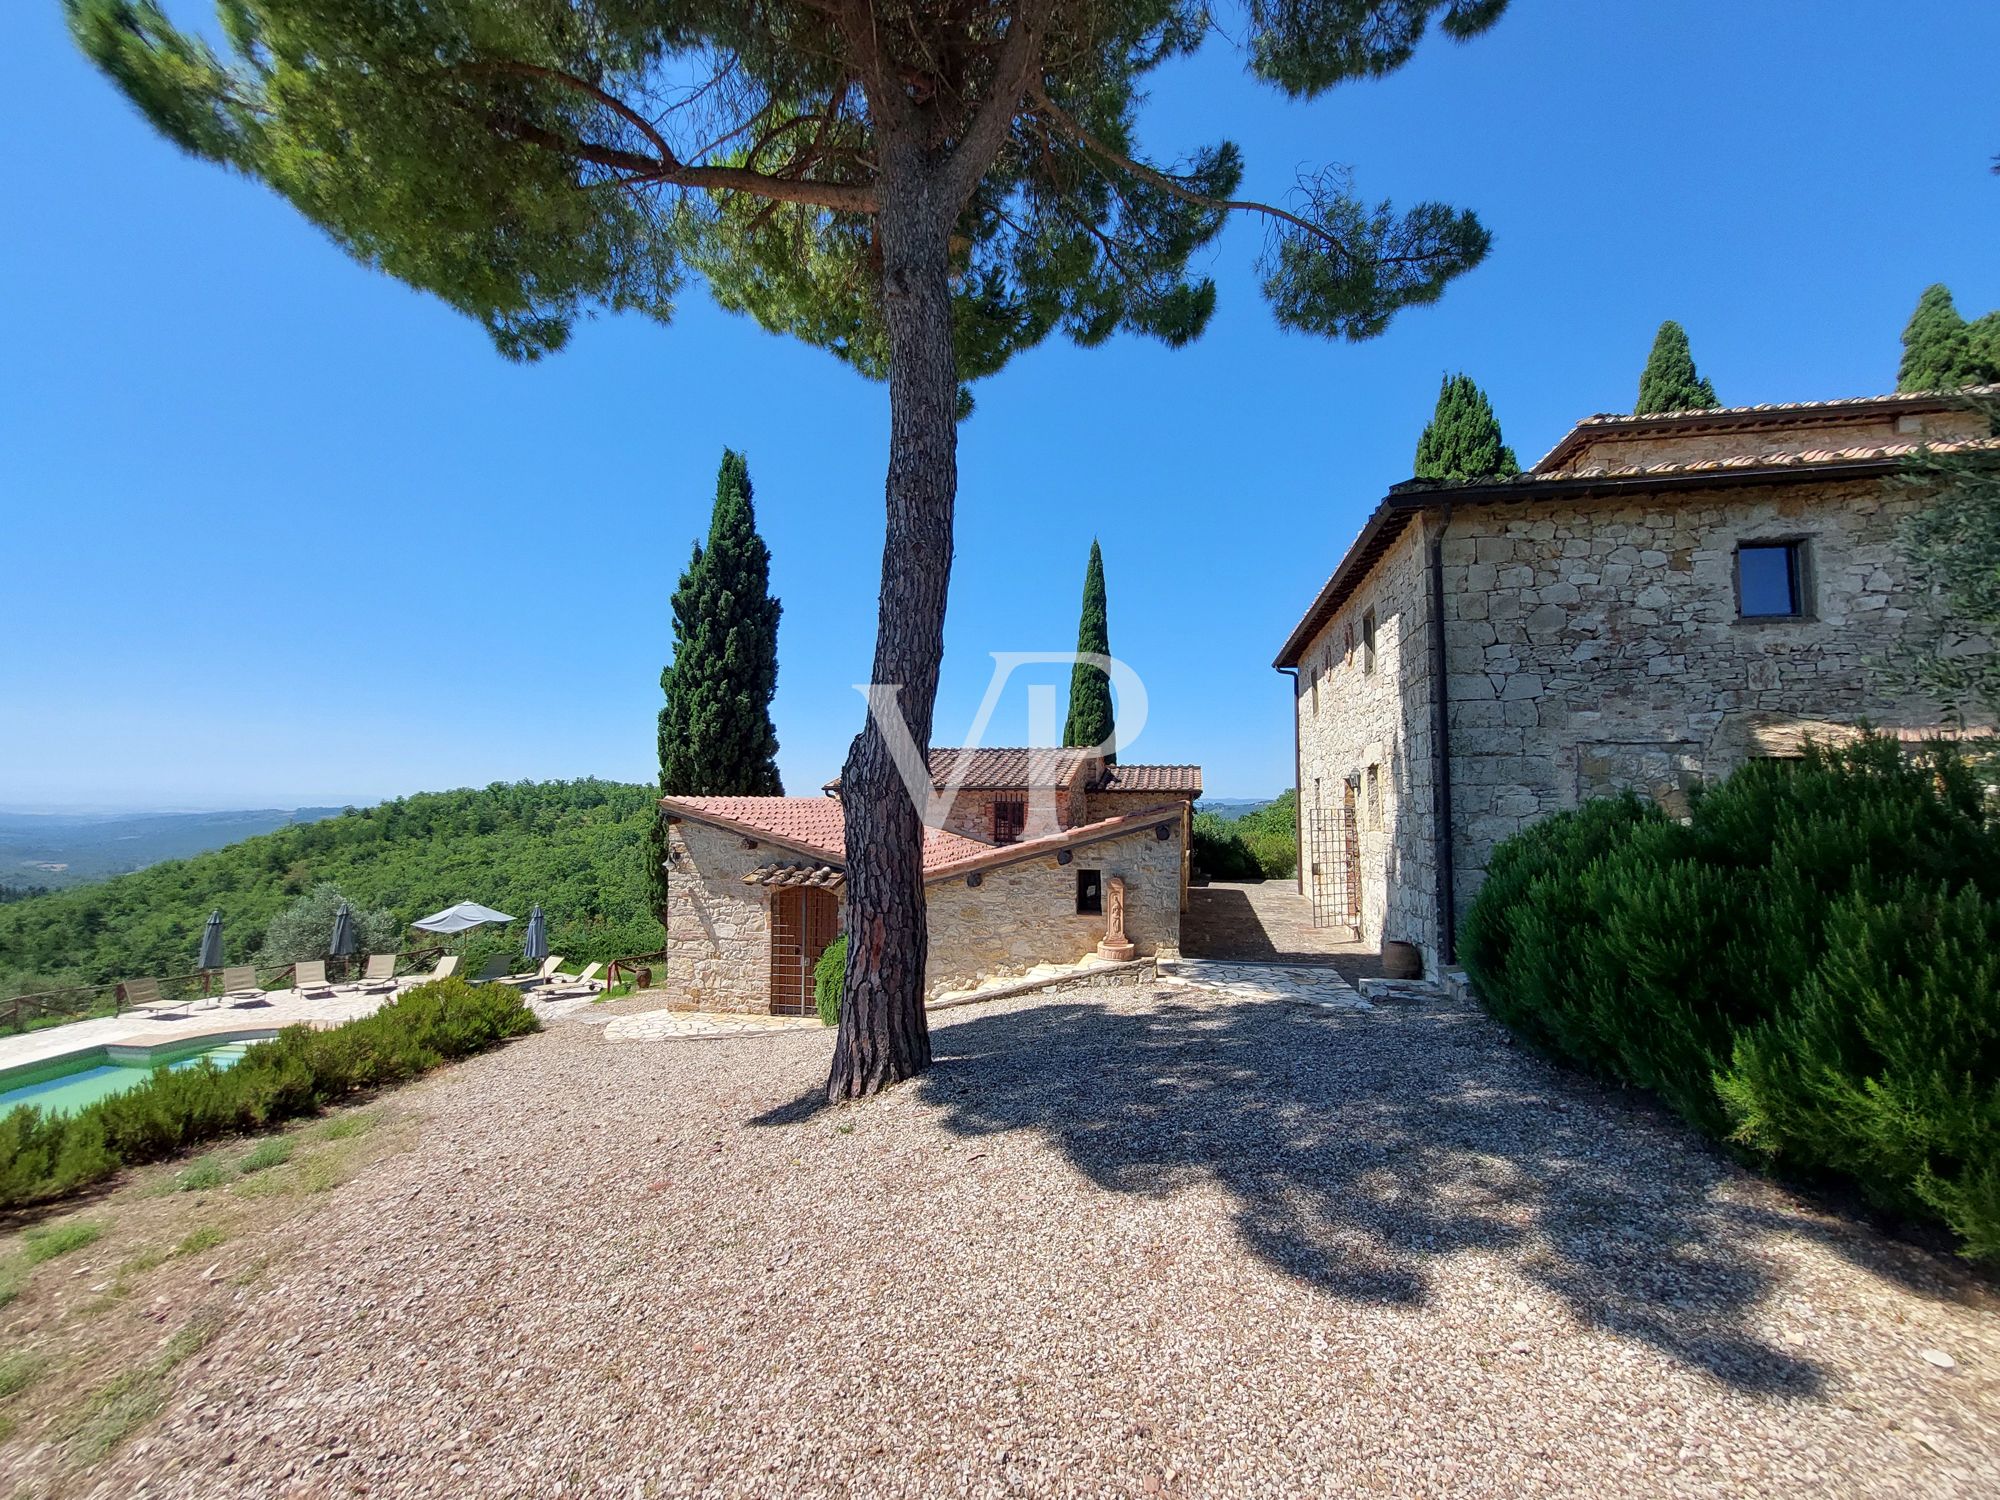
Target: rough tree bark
{"x": 884, "y": 1037}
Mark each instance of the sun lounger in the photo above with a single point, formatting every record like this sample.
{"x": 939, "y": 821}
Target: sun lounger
{"x": 378, "y": 978}
{"x": 309, "y": 980}
{"x": 566, "y": 986}
{"x": 144, "y": 994}
{"x": 240, "y": 986}
{"x": 446, "y": 967}
{"x": 541, "y": 975}
{"x": 495, "y": 968}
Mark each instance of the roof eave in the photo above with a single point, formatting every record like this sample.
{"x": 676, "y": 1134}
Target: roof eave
{"x": 836, "y": 857}
{"x": 1069, "y": 838}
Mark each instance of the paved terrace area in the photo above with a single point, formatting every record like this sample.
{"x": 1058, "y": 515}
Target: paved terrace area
{"x": 1170, "y": 1239}
{"x": 164, "y": 1026}
{"x": 1268, "y": 922}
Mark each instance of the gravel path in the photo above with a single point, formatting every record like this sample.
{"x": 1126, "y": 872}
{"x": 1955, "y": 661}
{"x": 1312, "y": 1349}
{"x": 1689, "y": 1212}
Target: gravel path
{"x": 1140, "y": 1242}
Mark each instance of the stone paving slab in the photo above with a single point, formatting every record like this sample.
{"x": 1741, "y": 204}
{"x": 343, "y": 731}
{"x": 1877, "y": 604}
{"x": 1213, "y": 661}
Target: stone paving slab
{"x": 674, "y": 1025}
{"x": 1303, "y": 984}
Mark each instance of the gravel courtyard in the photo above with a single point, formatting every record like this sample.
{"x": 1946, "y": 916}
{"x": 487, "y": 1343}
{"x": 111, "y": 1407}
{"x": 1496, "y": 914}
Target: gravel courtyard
{"x": 1119, "y": 1243}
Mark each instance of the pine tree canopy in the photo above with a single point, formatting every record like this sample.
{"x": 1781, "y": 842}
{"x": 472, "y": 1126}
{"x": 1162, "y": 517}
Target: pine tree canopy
{"x": 1941, "y": 351}
{"x": 1462, "y": 439}
{"x": 1669, "y": 382}
{"x": 716, "y": 737}
{"x": 1090, "y": 718}
{"x": 529, "y": 163}
{"x": 923, "y": 189}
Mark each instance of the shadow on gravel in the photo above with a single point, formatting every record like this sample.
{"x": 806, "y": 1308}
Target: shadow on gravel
{"x": 1360, "y": 1148}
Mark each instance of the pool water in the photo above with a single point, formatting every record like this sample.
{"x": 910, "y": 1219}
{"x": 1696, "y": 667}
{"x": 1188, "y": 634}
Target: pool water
{"x": 68, "y": 1084}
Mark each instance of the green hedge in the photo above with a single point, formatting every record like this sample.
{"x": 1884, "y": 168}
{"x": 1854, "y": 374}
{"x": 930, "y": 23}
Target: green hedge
{"x": 297, "y": 1072}
{"x": 828, "y": 975}
{"x": 1808, "y": 968}
{"x": 1260, "y": 845}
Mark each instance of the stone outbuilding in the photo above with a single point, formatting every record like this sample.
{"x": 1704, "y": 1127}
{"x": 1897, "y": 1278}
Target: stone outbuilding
{"x": 1657, "y": 601}
{"x": 1027, "y": 856}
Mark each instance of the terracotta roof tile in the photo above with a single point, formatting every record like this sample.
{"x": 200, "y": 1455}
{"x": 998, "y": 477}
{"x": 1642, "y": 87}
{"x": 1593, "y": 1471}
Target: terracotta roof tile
{"x": 815, "y": 825}
{"x": 1005, "y": 768}
{"x": 1783, "y": 460}
{"x": 1182, "y": 780}
{"x": 1789, "y": 413}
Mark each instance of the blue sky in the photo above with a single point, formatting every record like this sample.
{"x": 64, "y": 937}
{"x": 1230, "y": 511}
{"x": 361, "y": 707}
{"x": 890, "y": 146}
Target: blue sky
{"x": 282, "y": 531}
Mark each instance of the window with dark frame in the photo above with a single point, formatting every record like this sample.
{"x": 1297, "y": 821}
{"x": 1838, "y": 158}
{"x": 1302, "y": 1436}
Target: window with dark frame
{"x": 1010, "y": 816}
{"x": 1089, "y": 894}
{"x": 1368, "y": 641}
{"x": 1770, "y": 580}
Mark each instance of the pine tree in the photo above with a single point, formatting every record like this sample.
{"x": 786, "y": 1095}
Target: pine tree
{"x": 1462, "y": 439}
{"x": 1670, "y": 382}
{"x": 925, "y": 191}
{"x": 1941, "y": 351}
{"x": 716, "y": 737}
{"x": 1090, "y": 720}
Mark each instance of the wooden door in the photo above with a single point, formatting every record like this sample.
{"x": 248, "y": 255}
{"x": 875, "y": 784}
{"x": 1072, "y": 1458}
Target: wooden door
{"x": 804, "y": 919}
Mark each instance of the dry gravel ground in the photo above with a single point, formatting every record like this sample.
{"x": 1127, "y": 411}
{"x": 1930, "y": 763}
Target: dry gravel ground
{"x": 1136, "y": 1243}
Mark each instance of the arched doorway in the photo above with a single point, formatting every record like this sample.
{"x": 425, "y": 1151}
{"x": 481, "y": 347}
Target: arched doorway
{"x": 804, "y": 919}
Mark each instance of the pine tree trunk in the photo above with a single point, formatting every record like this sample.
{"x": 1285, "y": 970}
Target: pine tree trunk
{"x": 884, "y": 1037}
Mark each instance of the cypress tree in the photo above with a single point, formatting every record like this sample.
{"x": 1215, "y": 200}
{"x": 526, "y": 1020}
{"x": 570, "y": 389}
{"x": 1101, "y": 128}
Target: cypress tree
{"x": 1090, "y": 721}
{"x": 1941, "y": 351}
{"x": 716, "y": 737}
{"x": 1670, "y": 382}
{"x": 1462, "y": 439}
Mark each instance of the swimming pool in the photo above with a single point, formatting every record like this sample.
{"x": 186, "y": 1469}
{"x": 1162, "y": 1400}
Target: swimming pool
{"x": 64, "y": 1085}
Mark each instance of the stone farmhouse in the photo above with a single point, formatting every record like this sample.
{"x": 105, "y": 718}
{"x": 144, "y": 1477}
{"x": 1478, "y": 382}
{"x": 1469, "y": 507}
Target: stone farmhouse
{"x": 1031, "y": 857}
{"x": 1658, "y": 600}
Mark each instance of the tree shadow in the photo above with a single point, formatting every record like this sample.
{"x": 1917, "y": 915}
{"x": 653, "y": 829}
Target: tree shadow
{"x": 1360, "y": 1148}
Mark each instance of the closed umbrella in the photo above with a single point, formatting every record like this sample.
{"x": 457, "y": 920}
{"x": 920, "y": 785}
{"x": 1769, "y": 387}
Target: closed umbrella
{"x": 343, "y": 944}
{"x": 536, "y": 948}
{"x": 211, "y": 942}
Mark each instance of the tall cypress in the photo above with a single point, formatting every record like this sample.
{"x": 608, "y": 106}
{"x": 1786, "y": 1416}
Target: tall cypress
{"x": 1941, "y": 351}
{"x": 1669, "y": 382}
{"x": 1090, "y": 721}
{"x": 716, "y": 737}
{"x": 1462, "y": 439}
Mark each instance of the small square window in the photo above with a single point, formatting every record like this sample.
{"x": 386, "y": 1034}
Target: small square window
{"x": 1089, "y": 894}
{"x": 1770, "y": 580}
{"x": 1010, "y": 816}
{"x": 1368, "y": 641}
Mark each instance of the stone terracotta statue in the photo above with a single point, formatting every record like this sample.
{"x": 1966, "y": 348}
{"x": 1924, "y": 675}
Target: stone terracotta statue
{"x": 1115, "y": 945}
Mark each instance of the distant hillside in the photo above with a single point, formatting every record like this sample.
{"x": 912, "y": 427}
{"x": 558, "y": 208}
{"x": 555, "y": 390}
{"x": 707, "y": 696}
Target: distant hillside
{"x": 65, "y": 849}
{"x": 1232, "y": 807}
{"x": 574, "y": 846}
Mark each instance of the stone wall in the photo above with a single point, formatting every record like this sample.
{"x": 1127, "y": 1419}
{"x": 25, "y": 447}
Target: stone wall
{"x": 1351, "y": 720}
{"x": 718, "y": 928}
{"x": 1596, "y": 645}
{"x": 971, "y": 813}
{"x": 1025, "y": 914}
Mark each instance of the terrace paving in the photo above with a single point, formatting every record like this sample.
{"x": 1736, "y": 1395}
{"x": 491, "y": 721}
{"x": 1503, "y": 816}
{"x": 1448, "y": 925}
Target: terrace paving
{"x": 160, "y": 1027}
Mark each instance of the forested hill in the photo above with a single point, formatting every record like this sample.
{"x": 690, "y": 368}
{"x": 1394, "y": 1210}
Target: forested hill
{"x": 574, "y": 846}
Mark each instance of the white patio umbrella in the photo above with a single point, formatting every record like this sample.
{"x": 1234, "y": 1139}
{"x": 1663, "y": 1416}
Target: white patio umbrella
{"x": 456, "y": 921}
{"x": 460, "y": 918}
